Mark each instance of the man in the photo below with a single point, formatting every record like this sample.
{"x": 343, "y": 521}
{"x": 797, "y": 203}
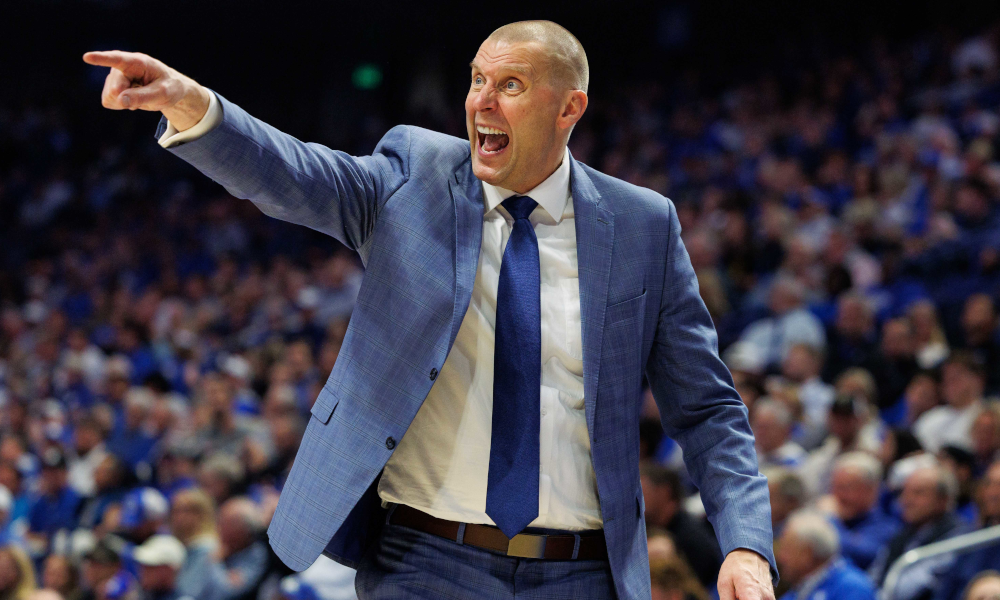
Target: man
{"x": 664, "y": 497}
{"x": 927, "y": 503}
{"x": 788, "y": 495}
{"x": 55, "y": 508}
{"x": 771, "y": 422}
{"x": 244, "y": 556}
{"x": 790, "y": 323}
{"x": 850, "y": 430}
{"x": 962, "y": 383}
{"x": 983, "y": 559}
{"x": 144, "y": 513}
{"x": 863, "y": 526}
{"x": 979, "y": 326}
{"x": 807, "y": 553}
{"x": 802, "y": 367}
{"x": 160, "y": 559}
{"x": 473, "y": 249}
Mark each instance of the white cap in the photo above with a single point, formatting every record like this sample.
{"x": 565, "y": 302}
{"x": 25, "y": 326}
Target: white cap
{"x": 161, "y": 550}
{"x": 237, "y": 366}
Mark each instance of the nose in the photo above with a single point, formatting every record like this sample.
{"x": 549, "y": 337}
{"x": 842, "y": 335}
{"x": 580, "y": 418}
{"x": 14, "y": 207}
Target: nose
{"x": 485, "y": 99}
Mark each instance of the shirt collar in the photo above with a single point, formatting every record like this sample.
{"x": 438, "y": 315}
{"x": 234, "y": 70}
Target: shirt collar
{"x": 551, "y": 194}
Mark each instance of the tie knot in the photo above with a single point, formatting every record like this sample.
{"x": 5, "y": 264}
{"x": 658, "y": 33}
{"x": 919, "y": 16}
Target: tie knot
{"x": 519, "y": 207}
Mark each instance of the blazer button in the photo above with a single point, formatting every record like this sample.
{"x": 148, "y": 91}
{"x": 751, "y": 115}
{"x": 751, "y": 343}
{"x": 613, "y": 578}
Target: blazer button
{"x": 390, "y": 443}
{"x": 434, "y": 374}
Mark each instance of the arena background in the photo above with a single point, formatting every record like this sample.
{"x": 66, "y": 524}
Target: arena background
{"x": 146, "y": 314}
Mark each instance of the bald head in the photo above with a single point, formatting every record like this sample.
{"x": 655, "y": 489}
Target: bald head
{"x": 567, "y": 60}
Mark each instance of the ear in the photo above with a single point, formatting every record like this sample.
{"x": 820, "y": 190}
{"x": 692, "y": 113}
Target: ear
{"x": 573, "y": 108}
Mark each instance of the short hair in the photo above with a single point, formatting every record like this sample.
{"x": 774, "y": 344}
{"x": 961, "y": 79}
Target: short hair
{"x": 865, "y": 464}
{"x": 990, "y": 574}
{"x": 565, "y": 52}
{"x": 788, "y": 483}
{"x": 778, "y": 409}
{"x": 968, "y": 360}
{"x": 946, "y": 484}
{"x": 815, "y": 531}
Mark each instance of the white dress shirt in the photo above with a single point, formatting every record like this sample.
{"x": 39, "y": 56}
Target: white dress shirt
{"x": 441, "y": 465}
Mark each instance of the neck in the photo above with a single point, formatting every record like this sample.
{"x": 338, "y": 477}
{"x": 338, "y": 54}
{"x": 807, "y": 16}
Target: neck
{"x": 553, "y": 163}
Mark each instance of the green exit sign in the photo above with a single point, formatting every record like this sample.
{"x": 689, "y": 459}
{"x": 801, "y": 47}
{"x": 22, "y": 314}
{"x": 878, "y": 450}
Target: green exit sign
{"x": 367, "y": 76}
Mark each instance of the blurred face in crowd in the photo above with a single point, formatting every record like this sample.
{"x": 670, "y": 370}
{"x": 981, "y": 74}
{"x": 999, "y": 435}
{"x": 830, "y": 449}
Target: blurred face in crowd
{"x": 959, "y": 385}
{"x": 95, "y": 573}
{"x": 897, "y": 338}
{"x": 518, "y": 114}
{"x": 855, "y": 495}
{"x": 661, "y": 547}
{"x": 989, "y": 494}
{"x": 853, "y": 318}
{"x": 794, "y": 557}
{"x": 986, "y": 588}
{"x": 10, "y": 478}
{"x": 979, "y": 320}
{"x": 157, "y": 578}
{"x": 86, "y": 438}
{"x": 661, "y": 506}
{"x": 801, "y": 364}
{"x": 985, "y": 434}
{"x": 218, "y": 394}
{"x": 844, "y": 427}
{"x": 922, "y": 500}
{"x": 9, "y": 573}
{"x": 57, "y": 572}
{"x": 781, "y": 504}
{"x": 769, "y": 430}
{"x": 185, "y": 517}
{"x": 53, "y": 480}
{"x": 921, "y": 395}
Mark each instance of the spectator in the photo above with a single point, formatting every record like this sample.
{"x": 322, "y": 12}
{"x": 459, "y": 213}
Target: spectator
{"x": 160, "y": 559}
{"x": 192, "y": 520}
{"x": 90, "y": 449}
{"x": 961, "y": 576}
{"x": 144, "y": 513}
{"x": 110, "y": 479}
{"x": 853, "y": 341}
{"x": 979, "y": 326}
{"x": 55, "y": 508}
{"x": 672, "y": 579}
{"x": 664, "y": 497}
{"x": 17, "y": 575}
{"x": 788, "y": 324}
{"x": 772, "y": 423}
{"x": 851, "y": 429}
{"x": 807, "y": 555}
{"x": 132, "y": 442}
{"x": 985, "y": 586}
{"x": 853, "y": 506}
{"x": 927, "y": 503}
{"x": 898, "y": 351}
{"x": 931, "y": 344}
{"x": 985, "y": 435}
{"x": 60, "y": 575}
{"x": 962, "y": 383}
{"x": 788, "y": 494}
{"x": 221, "y": 476}
{"x": 802, "y": 367}
{"x": 244, "y": 554}
{"x": 99, "y": 566}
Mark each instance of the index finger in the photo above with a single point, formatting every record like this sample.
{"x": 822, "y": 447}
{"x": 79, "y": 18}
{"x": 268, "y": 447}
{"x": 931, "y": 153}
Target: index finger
{"x": 111, "y": 58}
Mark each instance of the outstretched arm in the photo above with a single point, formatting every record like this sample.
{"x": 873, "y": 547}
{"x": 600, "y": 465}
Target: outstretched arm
{"x": 303, "y": 183}
{"x": 701, "y": 410}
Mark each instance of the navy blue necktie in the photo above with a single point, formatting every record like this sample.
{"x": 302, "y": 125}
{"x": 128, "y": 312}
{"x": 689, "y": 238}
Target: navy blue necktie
{"x": 512, "y": 486}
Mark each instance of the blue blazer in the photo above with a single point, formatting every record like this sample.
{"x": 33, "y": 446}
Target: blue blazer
{"x": 413, "y": 211}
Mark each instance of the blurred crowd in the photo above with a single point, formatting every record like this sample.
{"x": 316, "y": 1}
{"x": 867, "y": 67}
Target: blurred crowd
{"x": 161, "y": 343}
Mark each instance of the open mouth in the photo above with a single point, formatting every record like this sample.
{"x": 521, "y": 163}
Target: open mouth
{"x": 491, "y": 140}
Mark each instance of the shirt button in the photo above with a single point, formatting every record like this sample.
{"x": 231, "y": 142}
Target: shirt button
{"x": 390, "y": 443}
{"x": 434, "y": 374}
{"x": 543, "y": 412}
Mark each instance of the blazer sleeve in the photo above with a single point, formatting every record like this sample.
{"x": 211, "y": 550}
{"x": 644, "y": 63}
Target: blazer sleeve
{"x": 299, "y": 182}
{"x": 701, "y": 410}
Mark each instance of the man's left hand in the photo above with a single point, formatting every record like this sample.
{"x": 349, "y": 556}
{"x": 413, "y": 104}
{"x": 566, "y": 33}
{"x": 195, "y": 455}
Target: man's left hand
{"x": 745, "y": 575}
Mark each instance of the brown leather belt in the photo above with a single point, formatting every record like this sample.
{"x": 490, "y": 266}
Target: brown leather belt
{"x": 586, "y": 545}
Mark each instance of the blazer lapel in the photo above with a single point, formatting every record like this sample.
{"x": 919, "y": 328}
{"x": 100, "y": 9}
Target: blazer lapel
{"x": 595, "y": 236}
{"x": 467, "y": 195}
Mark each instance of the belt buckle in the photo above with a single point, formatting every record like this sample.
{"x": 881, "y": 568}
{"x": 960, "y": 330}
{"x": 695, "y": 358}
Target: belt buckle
{"x": 526, "y": 545}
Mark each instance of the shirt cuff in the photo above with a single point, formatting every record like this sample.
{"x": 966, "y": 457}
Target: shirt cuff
{"x": 213, "y": 116}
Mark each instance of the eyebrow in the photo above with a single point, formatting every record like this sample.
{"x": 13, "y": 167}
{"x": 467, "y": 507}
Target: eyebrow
{"x": 516, "y": 68}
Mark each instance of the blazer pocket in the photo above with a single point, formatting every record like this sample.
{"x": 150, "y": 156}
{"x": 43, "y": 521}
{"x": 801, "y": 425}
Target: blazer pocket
{"x": 620, "y": 311}
{"x": 327, "y": 400}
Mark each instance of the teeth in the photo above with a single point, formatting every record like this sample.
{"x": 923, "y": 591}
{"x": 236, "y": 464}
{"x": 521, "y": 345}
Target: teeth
{"x": 489, "y": 130}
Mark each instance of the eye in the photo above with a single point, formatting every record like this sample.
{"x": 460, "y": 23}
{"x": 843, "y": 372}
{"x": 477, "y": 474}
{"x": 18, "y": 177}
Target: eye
{"x": 512, "y": 84}
{"x": 477, "y": 80}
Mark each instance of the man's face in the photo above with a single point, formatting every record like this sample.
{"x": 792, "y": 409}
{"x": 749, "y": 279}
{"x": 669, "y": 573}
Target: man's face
{"x": 795, "y": 558}
{"x": 959, "y": 385}
{"x": 921, "y": 501}
{"x": 513, "y": 99}
{"x": 855, "y": 496}
{"x": 989, "y": 493}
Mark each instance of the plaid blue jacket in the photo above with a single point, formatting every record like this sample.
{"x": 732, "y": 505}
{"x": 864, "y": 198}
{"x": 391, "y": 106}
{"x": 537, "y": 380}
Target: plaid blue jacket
{"x": 413, "y": 211}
